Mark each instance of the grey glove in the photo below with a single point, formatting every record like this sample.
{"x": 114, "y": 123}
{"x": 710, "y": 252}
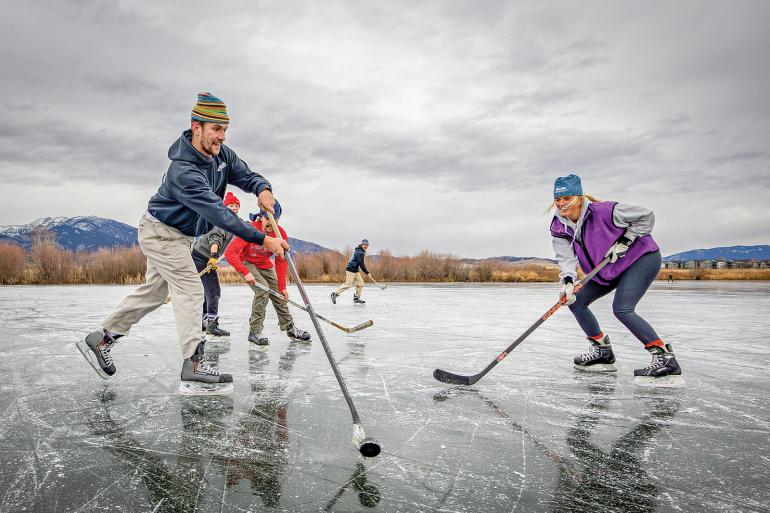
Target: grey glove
{"x": 619, "y": 249}
{"x": 568, "y": 291}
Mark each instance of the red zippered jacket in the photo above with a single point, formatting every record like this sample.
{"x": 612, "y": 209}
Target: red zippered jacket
{"x": 240, "y": 251}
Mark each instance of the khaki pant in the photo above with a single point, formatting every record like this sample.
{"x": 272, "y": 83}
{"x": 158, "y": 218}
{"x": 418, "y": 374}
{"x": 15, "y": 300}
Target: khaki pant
{"x": 350, "y": 280}
{"x": 268, "y": 278}
{"x": 170, "y": 271}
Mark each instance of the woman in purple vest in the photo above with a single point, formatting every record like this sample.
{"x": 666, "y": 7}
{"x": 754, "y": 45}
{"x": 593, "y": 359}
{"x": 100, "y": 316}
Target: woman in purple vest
{"x": 585, "y": 231}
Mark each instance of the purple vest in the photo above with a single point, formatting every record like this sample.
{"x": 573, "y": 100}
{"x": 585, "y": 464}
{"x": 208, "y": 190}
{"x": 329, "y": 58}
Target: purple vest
{"x": 598, "y": 234}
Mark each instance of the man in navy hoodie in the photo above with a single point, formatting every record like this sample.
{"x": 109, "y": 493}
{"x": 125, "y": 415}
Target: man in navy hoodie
{"x": 187, "y": 204}
{"x": 352, "y": 275}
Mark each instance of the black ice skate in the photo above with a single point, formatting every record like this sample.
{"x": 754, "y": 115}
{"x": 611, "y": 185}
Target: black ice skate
{"x": 599, "y": 357}
{"x": 334, "y": 297}
{"x": 663, "y": 371}
{"x": 212, "y": 328}
{"x": 257, "y": 339}
{"x": 297, "y": 334}
{"x": 96, "y": 350}
{"x": 358, "y": 301}
{"x": 200, "y": 379}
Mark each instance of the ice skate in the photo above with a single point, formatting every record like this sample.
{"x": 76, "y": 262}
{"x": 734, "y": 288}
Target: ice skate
{"x": 663, "y": 371}
{"x": 212, "y": 328}
{"x": 257, "y": 340}
{"x": 333, "y": 297}
{"x": 200, "y": 379}
{"x": 95, "y": 348}
{"x": 358, "y": 301}
{"x": 296, "y": 334}
{"x": 599, "y": 357}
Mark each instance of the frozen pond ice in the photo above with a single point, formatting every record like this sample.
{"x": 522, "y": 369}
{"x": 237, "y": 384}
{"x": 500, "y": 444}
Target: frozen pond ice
{"x": 533, "y": 435}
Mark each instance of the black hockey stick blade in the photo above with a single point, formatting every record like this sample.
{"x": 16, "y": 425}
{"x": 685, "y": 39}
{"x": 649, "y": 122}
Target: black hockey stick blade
{"x": 454, "y": 379}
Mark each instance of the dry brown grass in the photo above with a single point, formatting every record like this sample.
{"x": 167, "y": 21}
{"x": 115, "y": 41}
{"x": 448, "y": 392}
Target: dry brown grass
{"x": 12, "y": 264}
{"x": 715, "y": 274}
{"x": 46, "y": 263}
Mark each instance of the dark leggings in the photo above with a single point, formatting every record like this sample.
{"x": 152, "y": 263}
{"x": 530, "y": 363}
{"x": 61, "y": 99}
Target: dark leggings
{"x": 211, "y": 289}
{"x": 629, "y": 289}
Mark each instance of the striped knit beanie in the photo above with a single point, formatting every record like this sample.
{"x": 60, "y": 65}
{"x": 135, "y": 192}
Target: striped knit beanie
{"x": 210, "y": 108}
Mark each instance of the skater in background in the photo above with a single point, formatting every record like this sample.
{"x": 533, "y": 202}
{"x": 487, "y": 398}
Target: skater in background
{"x": 205, "y": 254}
{"x": 352, "y": 275}
{"x": 254, "y": 264}
{"x": 188, "y": 201}
{"x": 584, "y": 232}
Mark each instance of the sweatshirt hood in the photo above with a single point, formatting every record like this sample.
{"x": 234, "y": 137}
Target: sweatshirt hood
{"x": 183, "y": 150}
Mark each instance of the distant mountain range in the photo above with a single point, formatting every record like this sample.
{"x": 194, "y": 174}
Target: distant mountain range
{"x": 89, "y": 233}
{"x": 760, "y": 252}
{"x": 82, "y": 233}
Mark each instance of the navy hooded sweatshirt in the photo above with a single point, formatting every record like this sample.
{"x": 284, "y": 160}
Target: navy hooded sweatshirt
{"x": 190, "y": 198}
{"x": 357, "y": 261}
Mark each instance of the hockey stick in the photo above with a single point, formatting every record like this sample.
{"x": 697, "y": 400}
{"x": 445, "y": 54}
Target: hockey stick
{"x": 457, "y": 379}
{"x": 273, "y": 293}
{"x": 382, "y": 287}
{"x": 369, "y": 447}
{"x": 209, "y": 266}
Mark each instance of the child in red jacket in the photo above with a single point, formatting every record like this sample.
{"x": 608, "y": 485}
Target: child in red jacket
{"x": 253, "y": 262}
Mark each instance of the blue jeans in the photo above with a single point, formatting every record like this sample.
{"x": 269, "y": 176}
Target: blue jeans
{"x": 211, "y": 288}
{"x": 629, "y": 288}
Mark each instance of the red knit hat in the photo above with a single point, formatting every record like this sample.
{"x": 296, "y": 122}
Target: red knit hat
{"x": 230, "y": 198}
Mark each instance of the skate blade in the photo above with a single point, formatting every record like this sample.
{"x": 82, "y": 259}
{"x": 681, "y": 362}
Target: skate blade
{"x": 197, "y": 388}
{"x": 599, "y": 367}
{"x": 672, "y": 381}
{"x": 90, "y": 357}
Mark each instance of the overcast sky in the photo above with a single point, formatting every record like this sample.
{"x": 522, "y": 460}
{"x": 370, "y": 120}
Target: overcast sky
{"x": 438, "y": 125}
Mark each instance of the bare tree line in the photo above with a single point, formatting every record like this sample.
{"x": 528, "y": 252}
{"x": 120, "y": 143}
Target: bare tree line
{"x": 47, "y": 263}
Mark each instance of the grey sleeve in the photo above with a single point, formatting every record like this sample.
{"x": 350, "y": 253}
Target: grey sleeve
{"x": 638, "y": 221}
{"x": 217, "y": 236}
{"x": 566, "y": 258}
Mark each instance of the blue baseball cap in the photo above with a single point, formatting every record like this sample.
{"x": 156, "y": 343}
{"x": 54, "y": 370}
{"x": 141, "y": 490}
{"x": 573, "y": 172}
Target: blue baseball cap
{"x": 263, "y": 213}
{"x": 364, "y": 241}
{"x": 567, "y": 186}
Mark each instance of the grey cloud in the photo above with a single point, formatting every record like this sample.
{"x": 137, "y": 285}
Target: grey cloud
{"x": 479, "y": 97}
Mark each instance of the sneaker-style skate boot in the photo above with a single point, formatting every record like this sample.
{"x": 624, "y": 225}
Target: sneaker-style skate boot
{"x": 599, "y": 357}
{"x": 663, "y": 371}
{"x": 358, "y": 301}
{"x": 297, "y": 334}
{"x": 212, "y": 328}
{"x": 333, "y": 296}
{"x": 200, "y": 379}
{"x": 96, "y": 350}
{"x": 257, "y": 340}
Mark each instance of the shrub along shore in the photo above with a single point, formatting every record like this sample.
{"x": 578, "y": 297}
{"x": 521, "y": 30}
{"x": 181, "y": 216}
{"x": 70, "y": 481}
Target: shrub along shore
{"x": 46, "y": 263}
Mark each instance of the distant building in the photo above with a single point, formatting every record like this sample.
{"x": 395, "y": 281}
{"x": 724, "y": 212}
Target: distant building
{"x": 716, "y": 264}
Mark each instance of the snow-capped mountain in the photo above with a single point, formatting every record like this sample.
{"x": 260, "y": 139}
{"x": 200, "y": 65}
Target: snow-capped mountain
{"x": 81, "y": 233}
{"x": 89, "y": 233}
{"x": 760, "y": 252}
